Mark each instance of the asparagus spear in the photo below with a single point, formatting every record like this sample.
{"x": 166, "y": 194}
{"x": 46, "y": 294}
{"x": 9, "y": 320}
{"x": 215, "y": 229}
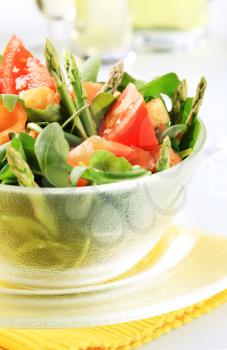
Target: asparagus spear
{"x": 25, "y": 178}
{"x": 197, "y": 101}
{"x": 163, "y": 161}
{"x": 55, "y": 71}
{"x": 179, "y": 97}
{"x": 81, "y": 97}
{"x": 20, "y": 168}
{"x": 115, "y": 78}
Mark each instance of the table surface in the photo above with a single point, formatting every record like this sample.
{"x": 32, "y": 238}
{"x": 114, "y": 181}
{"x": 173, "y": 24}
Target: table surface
{"x": 205, "y": 206}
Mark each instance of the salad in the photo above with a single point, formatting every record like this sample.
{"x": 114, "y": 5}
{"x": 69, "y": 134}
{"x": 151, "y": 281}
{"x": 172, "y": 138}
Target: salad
{"x": 60, "y": 127}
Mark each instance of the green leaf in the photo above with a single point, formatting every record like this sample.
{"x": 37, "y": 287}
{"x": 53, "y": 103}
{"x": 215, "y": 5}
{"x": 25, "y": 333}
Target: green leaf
{"x": 108, "y": 162}
{"x": 10, "y": 101}
{"x": 187, "y": 152}
{"x": 1, "y": 57}
{"x": 172, "y": 131}
{"x": 104, "y": 167}
{"x": 9, "y": 181}
{"x": 51, "y": 113}
{"x": 90, "y": 68}
{"x": 28, "y": 143}
{"x": 191, "y": 135}
{"x": 51, "y": 149}
{"x": 127, "y": 78}
{"x": 175, "y": 143}
{"x": 3, "y": 152}
{"x": 166, "y": 84}
{"x": 6, "y": 174}
{"x": 100, "y": 105}
{"x": 195, "y": 133}
{"x": 98, "y": 177}
{"x": 73, "y": 140}
{"x": 187, "y": 107}
{"x": 17, "y": 145}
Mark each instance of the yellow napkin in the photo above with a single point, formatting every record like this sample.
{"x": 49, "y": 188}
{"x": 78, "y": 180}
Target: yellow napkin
{"x": 126, "y": 336}
{"x": 121, "y": 336}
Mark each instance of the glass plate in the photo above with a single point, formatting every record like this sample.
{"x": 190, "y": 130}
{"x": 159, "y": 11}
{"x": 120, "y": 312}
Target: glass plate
{"x": 197, "y": 273}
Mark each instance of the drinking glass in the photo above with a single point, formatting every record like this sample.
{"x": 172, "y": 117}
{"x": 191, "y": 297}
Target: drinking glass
{"x": 59, "y": 16}
{"x": 169, "y": 24}
{"x": 102, "y": 27}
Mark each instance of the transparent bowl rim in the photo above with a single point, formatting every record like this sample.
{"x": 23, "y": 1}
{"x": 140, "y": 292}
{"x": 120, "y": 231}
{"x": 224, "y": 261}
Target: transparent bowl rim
{"x": 118, "y": 186}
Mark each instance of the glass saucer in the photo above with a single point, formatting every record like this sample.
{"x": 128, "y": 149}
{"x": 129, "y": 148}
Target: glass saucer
{"x": 149, "y": 289}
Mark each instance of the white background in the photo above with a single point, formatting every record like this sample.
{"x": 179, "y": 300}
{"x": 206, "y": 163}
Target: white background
{"x": 206, "y": 205}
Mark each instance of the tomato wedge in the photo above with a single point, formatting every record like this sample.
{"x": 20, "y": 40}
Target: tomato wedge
{"x": 84, "y": 151}
{"x": 128, "y": 122}
{"x": 20, "y": 70}
{"x": 11, "y": 121}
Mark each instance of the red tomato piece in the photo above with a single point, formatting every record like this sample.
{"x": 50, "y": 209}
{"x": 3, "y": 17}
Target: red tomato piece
{"x": 20, "y": 70}
{"x": 82, "y": 183}
{"x": 84, "y": 151}
{"x": 128, "y": 121}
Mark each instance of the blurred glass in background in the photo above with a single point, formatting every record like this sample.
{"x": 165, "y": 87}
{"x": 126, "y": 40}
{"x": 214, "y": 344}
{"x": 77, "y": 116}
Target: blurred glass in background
{"x": 169, "y": 24}
{"x": 60, "y": 16}
{"x": 102, "y": 27}
{"x": 105, "y": 28}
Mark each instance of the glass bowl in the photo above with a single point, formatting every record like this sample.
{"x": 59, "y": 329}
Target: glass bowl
{"x": 70, "y": 237}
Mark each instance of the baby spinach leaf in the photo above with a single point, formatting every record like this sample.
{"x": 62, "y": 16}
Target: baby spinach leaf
{"x": 72, "y": 140}
{"x": 191, "y": 135}
{"x": 104, "y": 168}
{"x": 9, "y": 181}
{"x": 126, "y": 79}
{"x": 3, "y": 152}
{"x": 51, "y": 149}
{"x": 187, "y": 152}
{"x": 172, "y": 131}
{"x": 98, "y": 177}
{"x": 175, "y": 143}
{"x": 90, "y": 68}
{"x": 195, "y": 133}
{"x": 28, "y": 143}
{"x": 187, "y": 107}
{"x": 10, "y": 101}
{"x": 100, "y": 105}
{"x": 17, "y": 145}
{"x": 6, "y": 174}
{"x": 51, "y": 113}
{"x": 166, "y": 84}
{"x": 107, "y": 161}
